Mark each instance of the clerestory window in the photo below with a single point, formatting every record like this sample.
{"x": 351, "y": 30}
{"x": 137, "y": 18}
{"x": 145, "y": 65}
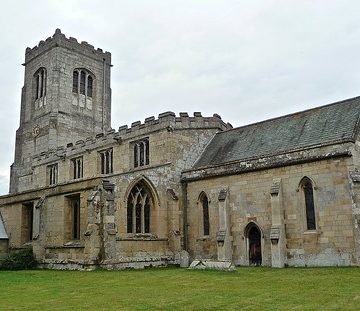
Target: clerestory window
{"x": 77, "y": 167}
{"x": 141, "y": 152}
{"x": 106, "y": 161}
{"x": 52, "y": 172}
{"x": 139, "y": 205}
{"x": 83, "y": 82}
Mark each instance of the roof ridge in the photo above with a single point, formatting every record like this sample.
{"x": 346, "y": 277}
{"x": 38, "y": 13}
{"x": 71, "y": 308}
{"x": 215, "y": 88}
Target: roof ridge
{"x": 335, "y": 122}
{"x": 290, "y": 114}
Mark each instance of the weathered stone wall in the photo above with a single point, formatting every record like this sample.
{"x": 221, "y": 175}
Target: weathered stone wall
{"x": 332, "y": 243}
{"x": 165, "y": 135}
{"x": 62, "y": 116}
{"x": 175, "y": 143}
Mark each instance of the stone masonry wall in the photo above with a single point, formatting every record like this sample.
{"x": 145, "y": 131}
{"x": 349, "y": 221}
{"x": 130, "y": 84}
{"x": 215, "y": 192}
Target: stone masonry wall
{"x": 175, "y": 143}
{"x": 332, "y": 243}
{"x": 62, "y": 116}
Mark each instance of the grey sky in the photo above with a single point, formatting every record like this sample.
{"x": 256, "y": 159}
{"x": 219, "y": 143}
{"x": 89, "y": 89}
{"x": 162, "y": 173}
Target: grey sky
{"x": 245, "y": 60}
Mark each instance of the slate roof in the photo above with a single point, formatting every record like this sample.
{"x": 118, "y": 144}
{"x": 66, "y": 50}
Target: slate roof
{"x": 3, "y": 234}
{"x": 323, "y": 125}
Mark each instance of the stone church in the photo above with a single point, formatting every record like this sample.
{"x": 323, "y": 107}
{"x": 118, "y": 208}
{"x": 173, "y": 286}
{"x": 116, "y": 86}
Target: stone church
{"x": 174, "y": 189}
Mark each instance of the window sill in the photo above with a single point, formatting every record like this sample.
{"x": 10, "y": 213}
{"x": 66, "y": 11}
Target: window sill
{"x": 141, "y": 237}
{"x": 311, "y": 232}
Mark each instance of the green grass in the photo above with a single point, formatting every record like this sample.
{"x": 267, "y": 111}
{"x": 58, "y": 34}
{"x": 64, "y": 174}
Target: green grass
{"x": 182, "y": 289}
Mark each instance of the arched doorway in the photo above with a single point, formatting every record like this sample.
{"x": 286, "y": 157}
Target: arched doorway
{"x": 254, "y": 245}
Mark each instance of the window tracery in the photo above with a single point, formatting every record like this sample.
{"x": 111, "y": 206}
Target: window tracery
{"x": 139, "y": 205}
{"x": 82, "y": 82}
{"x": 141, "y": 153}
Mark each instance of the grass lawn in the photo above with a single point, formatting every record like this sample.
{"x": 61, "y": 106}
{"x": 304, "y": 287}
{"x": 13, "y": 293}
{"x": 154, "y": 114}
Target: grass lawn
{"x": 182, "y": 289}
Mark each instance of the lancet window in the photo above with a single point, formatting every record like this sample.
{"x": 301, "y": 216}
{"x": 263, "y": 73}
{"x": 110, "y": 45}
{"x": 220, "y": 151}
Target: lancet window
{"x": 308, "y": 189}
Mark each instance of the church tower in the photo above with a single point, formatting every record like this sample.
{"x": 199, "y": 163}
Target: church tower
{"x": 66, "y": 97}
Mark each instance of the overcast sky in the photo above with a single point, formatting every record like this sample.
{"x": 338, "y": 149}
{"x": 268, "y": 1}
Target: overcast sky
{"x": 245, "y": 60}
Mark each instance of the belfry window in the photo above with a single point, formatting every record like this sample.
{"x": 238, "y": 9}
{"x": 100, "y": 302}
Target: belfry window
{"x": 40, "y": 83}
{"x": 141, "y": 152}
{"x": 205, "y": 213}
{"x": 89, "y": 86}
{"x": 75, "y": 81}
{"x": 307, "y": 187}
{"x": 139, "y": 205}
{"x": 52, "y": 171}
{"x": 106, "y": 161}
{"x": 77, "y": 167}
{"x": 82, "y": 82}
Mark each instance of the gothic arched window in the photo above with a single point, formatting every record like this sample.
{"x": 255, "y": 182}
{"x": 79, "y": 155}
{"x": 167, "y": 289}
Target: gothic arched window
{"x": 307, "y": 187}
{"x": 139, "y": 205}
{"x": 83, "y": 82}
{"x": 40, "y": 86}
{"x": 205, "y": 213}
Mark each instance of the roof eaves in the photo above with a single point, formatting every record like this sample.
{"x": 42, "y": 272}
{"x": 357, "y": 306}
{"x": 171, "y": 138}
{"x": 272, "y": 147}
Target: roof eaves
{"x": 302, "y": 148}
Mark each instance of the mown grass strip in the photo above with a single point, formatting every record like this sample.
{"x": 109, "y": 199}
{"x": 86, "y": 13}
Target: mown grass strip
{"x": 182, "y": 289}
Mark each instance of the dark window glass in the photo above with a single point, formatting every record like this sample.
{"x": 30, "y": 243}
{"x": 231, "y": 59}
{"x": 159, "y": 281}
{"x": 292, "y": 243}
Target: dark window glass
{"x": 147, "y": 151}
{"x": 206, "y": 222}
{"x": 309, "y": 204}
{"x": 75, "y": 81}
{"x": 138, "y": 217}
{"x": 37, "y": 86}
{"x": 147, "y": 215}
{"x": 82, "y": 82}
{"x": 40, "y": 83}
{"x": 42, "y": 89}
{"x": 138, "y": 220}
{"x": 90, "y": 86}
{"x": 130, "y": 216}
{"x": 77, "y": 168}
{"x": 75, "y": 218}
{"x": 136, "y": 155}
{"x": 141, "y": 153}
{"x": 106, "y": 159}
{"x": 53, "y": 174}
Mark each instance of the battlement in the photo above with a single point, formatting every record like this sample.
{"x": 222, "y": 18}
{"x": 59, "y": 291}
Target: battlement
{"x": 167, "y": 120}
{"x": 60, "y": 40}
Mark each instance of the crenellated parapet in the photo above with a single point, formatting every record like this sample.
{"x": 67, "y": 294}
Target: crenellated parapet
{"x": 137, "y": 130}
{"x": 60, "y": 40}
